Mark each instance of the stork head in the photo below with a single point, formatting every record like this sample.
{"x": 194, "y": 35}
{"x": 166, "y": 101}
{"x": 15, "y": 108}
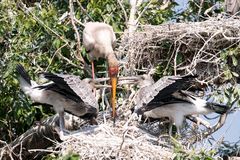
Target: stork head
{"x": 98, "y": 39}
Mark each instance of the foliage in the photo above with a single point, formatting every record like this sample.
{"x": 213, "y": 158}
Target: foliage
{"x": 69, "y": 156}
{"x": 154, "y": 14}
{"x": 200, "y": 10}
{"x": 229, "y": 149}
{"x": 186, "y": 154}
{"x": 231, "y": 59}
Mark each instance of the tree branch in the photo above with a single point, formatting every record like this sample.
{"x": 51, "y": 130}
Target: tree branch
{"x": 72, "y": 17}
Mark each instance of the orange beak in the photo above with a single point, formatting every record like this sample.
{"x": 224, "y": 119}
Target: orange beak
{"x": 113, "y": 72}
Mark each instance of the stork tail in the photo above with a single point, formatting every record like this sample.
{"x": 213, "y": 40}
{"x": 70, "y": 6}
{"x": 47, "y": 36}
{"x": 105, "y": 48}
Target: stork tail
{"x": 24, "y": 79}
{"x": 218, "y": 108}
{"x": 23, "y": 73}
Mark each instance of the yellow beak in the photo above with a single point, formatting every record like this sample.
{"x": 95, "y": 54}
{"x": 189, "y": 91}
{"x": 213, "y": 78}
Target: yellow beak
{"x": 113, "y": 96}
{"x": 113, "y": 72}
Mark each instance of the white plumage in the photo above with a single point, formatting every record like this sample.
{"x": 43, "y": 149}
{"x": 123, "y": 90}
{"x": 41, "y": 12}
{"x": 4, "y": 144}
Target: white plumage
{"x": 165, "y": 99}
{"x": 99, "y": 40}
{"x": 65, "y": 93}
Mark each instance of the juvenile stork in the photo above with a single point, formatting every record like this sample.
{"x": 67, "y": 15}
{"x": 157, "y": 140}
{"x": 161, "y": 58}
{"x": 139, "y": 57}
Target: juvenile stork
{"x": 165, "y": 98}
{"x": 66, "y": 93}
{"x": 99, "y": 39}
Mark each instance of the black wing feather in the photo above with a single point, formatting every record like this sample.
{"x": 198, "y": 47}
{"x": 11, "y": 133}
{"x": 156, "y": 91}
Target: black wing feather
{"x": 162, "y": 89}
{"x": 23, "y": 73}
{"x": 179, "y": 83}
{"x": 58, "y": 80}
{"x": 74, "y": 86}
{"x": 170, "y": 99}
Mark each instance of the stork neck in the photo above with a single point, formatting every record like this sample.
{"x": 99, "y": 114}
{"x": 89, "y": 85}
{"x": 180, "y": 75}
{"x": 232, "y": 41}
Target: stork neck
{"x": 112, "y": 60}
{"x": 112, "y": 64}
{"x": 113, "y": 71}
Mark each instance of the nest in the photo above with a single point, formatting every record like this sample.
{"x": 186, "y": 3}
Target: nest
{"x": 120, "y": 142}
{"x": 126, "y": 140}
{"x": 193, "y": 47}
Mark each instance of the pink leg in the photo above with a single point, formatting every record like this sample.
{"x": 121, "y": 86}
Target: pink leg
{"x": 93, "y": 73}
{"x": 93, "y": 76}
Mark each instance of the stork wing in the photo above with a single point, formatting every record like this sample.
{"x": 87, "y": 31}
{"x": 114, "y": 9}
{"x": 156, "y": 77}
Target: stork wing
{"x": 88, "y": 40}
{"x": 75, "y": 86}
{"x": 170, "y": 99}
{"x": 61, "y": 90}
{"x": 161, "y": 89}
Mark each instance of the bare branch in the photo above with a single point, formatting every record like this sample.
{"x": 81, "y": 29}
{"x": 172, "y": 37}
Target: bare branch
{"x": 124, "y": 11}
{"x": 58, "y": 50}
{"x": 72, "y": 17}
{"x": 84, "y": 10}
{"x": 145, "y": 8}
{"x": 198, "y": 45}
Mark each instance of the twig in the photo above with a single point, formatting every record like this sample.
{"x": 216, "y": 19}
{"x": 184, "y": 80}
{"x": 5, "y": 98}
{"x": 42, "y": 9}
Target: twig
{"x": 145, "y": 8}
{"x": 79, "y": 22}
{"x": 69, "y": 61}
{"x": 84, "y": 10}
{"x": 58, "y": 50}
{"x": 43, "y": 150}
{"x": 200, "y": 8}
{"x": 175, "y": 60}
{"x": 124, "y": 11}
{"x": 72, "y": 17}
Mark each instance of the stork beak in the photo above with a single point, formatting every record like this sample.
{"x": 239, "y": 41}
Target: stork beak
{"x": 113, "y": 72}
{"x": 113, "y": 96}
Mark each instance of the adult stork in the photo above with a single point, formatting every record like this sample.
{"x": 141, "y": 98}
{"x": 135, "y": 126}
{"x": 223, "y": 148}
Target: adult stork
{"x": 165, "y": 98}
{"x": 66, "y": 93}
{"x": 99, "y": 39}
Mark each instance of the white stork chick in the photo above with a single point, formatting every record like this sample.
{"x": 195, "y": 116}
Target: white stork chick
{"x": 99, "y": 39}
{"x": 165, "y": 99}
{"x": 66, "y": 93}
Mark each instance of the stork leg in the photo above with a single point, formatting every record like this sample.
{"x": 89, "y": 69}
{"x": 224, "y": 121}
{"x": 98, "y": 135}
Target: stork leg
{"x": 93, "y": 71}
{"x": 93, "y": 76}
{"x": 61, "y": 122}
{"x": 170, "y": 129}
{"x": 178, "y": 130}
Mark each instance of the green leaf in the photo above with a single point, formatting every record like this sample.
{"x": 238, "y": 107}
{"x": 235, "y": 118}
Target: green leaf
{"x": 57, "y": 43}
{"x": 235, "y": 74}
{"x": 234, "y": 61}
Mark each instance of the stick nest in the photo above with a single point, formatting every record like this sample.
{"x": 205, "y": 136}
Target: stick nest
{"x": 193, "y": 47}
{"x": 107, "y": 142}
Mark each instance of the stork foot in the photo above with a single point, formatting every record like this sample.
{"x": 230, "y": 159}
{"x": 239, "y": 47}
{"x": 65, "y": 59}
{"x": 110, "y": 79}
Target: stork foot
{"x": 63, "y": 134}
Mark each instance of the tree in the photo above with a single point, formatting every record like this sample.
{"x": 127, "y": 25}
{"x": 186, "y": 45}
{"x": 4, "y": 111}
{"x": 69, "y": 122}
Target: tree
{"x": 46, "y": 36}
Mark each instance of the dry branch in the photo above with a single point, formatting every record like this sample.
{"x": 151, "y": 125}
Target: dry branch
{"x": 198, "y": 44}
{"x": 72, "y": 17}
{"x": 91, "y": 142}
{"x": 103, "y": 141}
{"x": 38, "y": 138}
